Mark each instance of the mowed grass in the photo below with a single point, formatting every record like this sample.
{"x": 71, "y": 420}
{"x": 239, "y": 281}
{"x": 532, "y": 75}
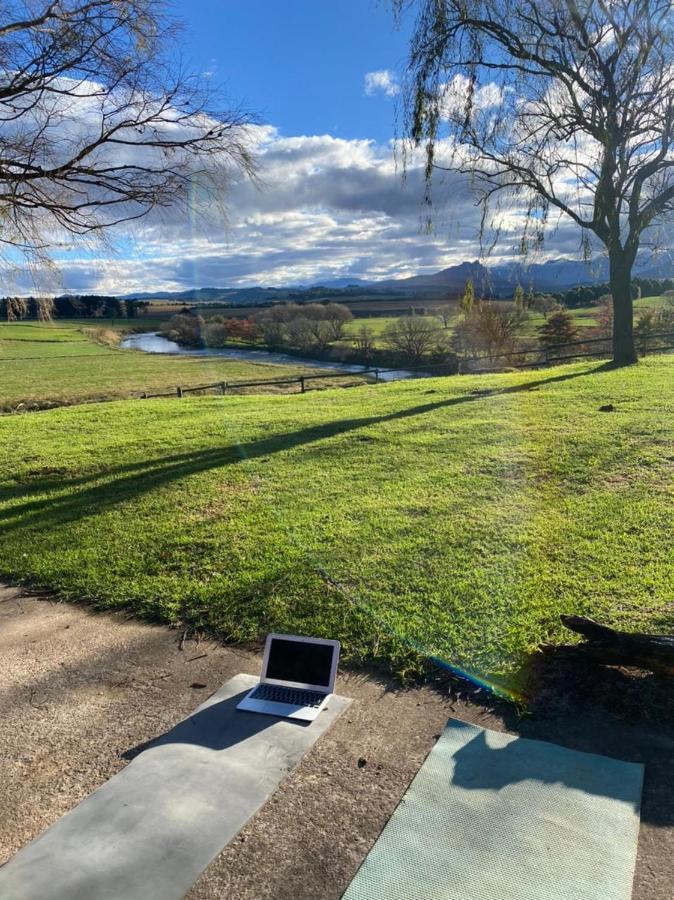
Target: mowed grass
{"x": 54, "y": 363}
{"x": 455, "y": 517}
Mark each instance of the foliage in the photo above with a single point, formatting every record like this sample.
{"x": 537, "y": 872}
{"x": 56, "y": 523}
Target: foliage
{"x": 185, "y": 329}
{"x": 559, "y": 328}
{"x": 457, "y": 515}
{"x": 605, "y": 317}
{"x": 468, "y": 298}
{"x": 70, "y": 306}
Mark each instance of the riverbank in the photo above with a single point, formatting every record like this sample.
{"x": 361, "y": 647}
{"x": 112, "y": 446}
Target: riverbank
{"x": 155, "y": 342}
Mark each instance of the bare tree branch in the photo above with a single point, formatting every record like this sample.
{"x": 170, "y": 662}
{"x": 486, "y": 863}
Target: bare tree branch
{"x": 99, "y": 124}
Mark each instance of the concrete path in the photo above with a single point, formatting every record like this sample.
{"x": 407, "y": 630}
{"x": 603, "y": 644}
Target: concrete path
{"x": 80, "y": 689}
{"x": 149, "y": 832}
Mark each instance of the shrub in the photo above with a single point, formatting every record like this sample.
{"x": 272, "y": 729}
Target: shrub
{"x": 558, "y": 329}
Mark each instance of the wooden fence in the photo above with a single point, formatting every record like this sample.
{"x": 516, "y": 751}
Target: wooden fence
{"x": 595, "y": 348}
{"x": 537, "y": 357}
{"x": 223, "y": 387}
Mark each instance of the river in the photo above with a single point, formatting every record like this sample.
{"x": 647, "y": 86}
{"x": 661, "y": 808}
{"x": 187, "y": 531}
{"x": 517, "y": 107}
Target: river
{"x": 152, "y": 342}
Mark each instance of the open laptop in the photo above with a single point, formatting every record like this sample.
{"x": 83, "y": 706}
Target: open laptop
{"x": 298, "y": 677}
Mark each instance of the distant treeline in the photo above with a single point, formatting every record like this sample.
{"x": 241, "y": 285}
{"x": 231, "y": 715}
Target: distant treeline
{"x": 81, "y": 306}
{"x": 587, "y": 294}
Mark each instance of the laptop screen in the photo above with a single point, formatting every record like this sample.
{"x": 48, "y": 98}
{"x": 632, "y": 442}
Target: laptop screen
{"x": 300, "y": 661}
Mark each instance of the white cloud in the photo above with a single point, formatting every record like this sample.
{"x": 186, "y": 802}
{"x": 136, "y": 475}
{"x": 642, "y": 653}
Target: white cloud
{"x": 324, "y": 208}
{"x": 382, "y": 81}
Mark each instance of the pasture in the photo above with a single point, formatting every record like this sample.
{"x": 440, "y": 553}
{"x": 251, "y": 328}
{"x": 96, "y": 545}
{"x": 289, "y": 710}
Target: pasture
{"x": 453, "y": 517}
{"x": 583, "y": 316}
{"x": 64, "y": 362}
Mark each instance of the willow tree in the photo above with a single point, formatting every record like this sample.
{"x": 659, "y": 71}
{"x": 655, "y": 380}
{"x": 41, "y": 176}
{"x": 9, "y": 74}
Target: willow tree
{"x": 100, "y": 123}
{"x": 564, "y": 107}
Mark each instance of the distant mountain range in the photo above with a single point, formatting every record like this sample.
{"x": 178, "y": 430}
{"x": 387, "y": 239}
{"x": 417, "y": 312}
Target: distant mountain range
{"x": 549, "y": 277}
{"x": 497, "y": 280}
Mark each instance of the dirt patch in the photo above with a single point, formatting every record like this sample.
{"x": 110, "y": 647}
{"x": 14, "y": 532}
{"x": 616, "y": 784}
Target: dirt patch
{"x": 82, "y": 689}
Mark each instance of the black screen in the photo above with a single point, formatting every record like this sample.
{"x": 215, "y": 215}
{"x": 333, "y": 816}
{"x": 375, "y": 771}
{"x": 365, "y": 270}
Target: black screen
{"x": 299, "y": 661}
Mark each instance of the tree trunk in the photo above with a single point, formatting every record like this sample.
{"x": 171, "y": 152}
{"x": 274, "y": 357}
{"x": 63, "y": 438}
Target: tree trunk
{"x": 620, "y": 271}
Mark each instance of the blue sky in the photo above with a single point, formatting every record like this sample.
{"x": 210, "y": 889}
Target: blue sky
{"x": 300, "y": 64}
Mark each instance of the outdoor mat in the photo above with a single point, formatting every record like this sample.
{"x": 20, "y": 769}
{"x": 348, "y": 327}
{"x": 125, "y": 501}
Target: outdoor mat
{"x": 491, "y": 816}
{"x": 149, "y": 832}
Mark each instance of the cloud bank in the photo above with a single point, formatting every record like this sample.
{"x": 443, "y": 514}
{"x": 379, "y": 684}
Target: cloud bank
{"x": 324, "y": 208}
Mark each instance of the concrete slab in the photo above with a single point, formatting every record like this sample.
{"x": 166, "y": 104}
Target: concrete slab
{"x": 149, "y": 832}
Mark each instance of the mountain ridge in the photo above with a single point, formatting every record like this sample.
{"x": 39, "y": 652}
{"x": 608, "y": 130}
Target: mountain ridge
{"x": 499, "y": 280}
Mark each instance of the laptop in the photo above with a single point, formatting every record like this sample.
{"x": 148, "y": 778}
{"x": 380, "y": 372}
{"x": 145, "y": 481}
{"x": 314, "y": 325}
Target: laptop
{"x": 298, "y": 677}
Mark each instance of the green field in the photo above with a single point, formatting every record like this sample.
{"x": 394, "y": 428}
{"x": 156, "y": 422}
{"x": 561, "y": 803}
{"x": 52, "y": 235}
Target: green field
{"x": 457, "y": 517}
{"x": 69, "y": 362}
{"x": 584, "y": 317}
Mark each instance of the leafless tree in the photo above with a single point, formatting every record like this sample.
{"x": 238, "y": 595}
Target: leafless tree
{"x": 489, "y": 329}
{"x": 566, "y": 106}
{"x": 364, "y": 342}
{"x": 337, "y": 315}
{"x": 99, "y": 124}
{"x": 415, "y": 336}
{"x": 446, "y": 313}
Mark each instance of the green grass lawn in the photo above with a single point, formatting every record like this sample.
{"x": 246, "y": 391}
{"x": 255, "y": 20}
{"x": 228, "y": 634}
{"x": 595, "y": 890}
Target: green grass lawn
{"x": 456, "y": 517}
{"x": 62, "y": 362}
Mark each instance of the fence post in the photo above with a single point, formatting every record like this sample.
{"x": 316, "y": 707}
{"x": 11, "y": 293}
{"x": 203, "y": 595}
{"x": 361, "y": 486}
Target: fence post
{"x": 376, "y": 376}
{"x": 223, "y": 387}
{"x": 302, "y": 388}
{"x": 179, "y": 391}
{"x": 143, "y": 396}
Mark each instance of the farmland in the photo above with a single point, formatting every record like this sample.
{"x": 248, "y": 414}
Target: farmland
{"x": 69, "y": 362}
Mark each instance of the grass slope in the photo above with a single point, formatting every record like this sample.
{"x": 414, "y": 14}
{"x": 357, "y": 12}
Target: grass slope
{"x": 64, "y": 363}
{"x": 460, "y": 515}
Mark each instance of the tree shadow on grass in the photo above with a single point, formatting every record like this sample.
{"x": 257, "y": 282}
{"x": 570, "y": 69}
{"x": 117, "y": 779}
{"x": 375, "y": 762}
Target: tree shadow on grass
{"x": 88, "y": 495}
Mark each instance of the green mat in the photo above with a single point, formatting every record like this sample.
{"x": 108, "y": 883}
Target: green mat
{"x": 490, "y": 816}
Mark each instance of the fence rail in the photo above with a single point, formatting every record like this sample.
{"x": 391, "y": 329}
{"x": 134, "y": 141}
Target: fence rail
{"x": 645, "y": 344}
{"x": 224, "y": 386}
{"x": 544, "y": 357}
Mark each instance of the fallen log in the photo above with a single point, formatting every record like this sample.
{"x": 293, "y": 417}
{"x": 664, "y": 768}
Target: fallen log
{"x": 622, "y": 648}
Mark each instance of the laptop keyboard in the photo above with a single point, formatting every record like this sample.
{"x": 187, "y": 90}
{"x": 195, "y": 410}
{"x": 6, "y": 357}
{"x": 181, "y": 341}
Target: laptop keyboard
{"x": 295, "y": 696}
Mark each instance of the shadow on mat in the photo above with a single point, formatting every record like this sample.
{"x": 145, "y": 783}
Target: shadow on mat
{"x": 216, "y": 727}
{"x": 481, "y": 767}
